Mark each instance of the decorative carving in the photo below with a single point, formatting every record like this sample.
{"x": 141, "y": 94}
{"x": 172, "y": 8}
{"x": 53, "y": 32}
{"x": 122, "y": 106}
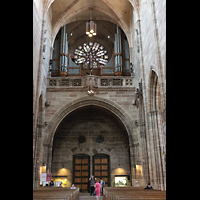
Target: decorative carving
{"x": 117, "y": 82}
{"x": 52, "y": 82}
{"x": 90, "y": 86}
{"x": 139, "y": 90}
{"x": 64, "y": 82}
{"x": 81, "y": 139}
{"x": 129, "y": 82}
{"x": 104, "y": 82}
{"x": 47, "y": 103}
{"x": 77, "y": 82}
{"x": 132, "y": 70}
{"x": 96, "y": 82}
{"x": 100, "y": 139}
{"x": 138, "y": 93}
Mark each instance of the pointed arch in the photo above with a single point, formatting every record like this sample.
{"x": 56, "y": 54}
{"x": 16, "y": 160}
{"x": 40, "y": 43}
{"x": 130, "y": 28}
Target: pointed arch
{"x": 108, "y": 105}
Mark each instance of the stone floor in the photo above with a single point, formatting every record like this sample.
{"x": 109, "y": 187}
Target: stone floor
{"x": 86, "y": 196}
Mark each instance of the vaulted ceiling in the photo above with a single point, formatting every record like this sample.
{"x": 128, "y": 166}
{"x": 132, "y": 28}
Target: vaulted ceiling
{"x": 76, "y": 34}
{"x": 106, "y": 14}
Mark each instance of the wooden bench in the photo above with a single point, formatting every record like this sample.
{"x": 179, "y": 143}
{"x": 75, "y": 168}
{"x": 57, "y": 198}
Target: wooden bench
{"x": 132, "y": 193}
{"x": 55, "y": 193}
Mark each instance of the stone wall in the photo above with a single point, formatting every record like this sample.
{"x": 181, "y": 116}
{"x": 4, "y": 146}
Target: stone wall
{"x": 90, "y": 122}
{"x": 59, "y": 96}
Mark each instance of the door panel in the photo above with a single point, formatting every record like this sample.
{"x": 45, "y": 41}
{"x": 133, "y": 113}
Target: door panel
{"x": 81, "y": 171}
{"x": 77, "y": 167}
{"x": 101, "y": 167}
{"x": 104, "y": 167}
{"x": 84, "y": 167}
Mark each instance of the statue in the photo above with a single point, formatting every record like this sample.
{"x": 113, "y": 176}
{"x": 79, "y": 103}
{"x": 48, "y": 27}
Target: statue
{"x": 90, "y": 86}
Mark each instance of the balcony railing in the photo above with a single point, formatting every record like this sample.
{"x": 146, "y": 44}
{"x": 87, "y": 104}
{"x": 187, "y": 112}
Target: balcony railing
{"x": 97, "y": 81}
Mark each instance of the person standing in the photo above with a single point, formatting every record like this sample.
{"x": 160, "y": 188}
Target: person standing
{"x": 92, "y": 183}
{"x": 97, "y": 189}
{"x": 102, "y": 185}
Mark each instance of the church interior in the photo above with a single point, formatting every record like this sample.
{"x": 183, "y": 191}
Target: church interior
{"x": 99, "y": 92}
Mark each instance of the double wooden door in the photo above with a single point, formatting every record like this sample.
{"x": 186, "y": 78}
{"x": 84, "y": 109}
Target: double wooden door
{"x": 81, "y": 171}
{"x": 82, "y": 174}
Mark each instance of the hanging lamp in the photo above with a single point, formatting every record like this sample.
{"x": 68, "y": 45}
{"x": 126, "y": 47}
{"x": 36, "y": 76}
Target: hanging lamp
{"x": 91, "y": 27}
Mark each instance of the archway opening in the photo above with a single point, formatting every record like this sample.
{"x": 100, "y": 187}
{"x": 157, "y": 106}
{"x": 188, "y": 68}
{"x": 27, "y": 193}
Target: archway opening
{"x": 91, "y": 130}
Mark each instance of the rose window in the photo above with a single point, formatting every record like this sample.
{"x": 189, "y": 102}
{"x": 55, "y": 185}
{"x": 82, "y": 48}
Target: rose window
{"x": 93, "y": 55}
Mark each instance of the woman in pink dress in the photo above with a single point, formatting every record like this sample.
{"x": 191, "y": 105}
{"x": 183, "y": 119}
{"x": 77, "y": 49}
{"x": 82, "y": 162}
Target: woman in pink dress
{"x": 97, "y": 189}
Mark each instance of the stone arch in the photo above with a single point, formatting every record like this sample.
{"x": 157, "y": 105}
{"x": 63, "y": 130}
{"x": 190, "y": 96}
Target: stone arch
{"x": 114, "y": 108}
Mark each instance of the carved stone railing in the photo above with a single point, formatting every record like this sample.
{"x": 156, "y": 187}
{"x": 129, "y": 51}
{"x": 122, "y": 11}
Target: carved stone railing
{"x": 97, "y": 81}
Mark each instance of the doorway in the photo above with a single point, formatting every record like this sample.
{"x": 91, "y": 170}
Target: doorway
{"x": 101, "y": 168}
{"x": 81, "y": 164}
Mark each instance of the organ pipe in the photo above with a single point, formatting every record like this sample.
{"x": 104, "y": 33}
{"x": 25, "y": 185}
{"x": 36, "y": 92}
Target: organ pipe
{"x": 118, "y": 49}
{"x": 63, "y": 50}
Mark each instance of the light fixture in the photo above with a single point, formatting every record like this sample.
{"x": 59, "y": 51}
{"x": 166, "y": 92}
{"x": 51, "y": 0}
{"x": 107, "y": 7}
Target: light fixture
{"x": 87, "y": 28}
{"x": 95, "y": 29}
{"x": 91, "y": 27}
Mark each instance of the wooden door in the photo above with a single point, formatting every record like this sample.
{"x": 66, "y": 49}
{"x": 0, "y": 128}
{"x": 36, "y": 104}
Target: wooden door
{"x": 101, "y": 168}
{"x": 81, "y": 171}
